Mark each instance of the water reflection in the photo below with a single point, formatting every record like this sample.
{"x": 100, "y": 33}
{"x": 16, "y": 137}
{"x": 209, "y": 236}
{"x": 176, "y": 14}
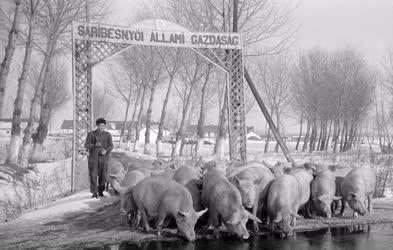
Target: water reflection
{"x": 361, "y": 237}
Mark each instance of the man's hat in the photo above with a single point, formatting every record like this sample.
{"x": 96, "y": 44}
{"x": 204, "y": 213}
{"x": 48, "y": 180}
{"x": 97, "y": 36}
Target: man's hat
{"x": 100, "y": 120}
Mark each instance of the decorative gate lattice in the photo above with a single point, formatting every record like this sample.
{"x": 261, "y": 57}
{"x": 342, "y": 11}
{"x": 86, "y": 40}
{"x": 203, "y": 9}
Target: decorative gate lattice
{"x": 89, "y": 50}
{"x": 86, "y": 55}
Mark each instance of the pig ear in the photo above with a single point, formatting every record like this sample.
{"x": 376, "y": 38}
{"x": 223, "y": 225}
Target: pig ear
{"x": 336, "y": 198}
{"x": 234, "y": 218}
{"x": 323, "y": 197}
{"x": 332, "y": 167}
{"x": 252, "y": 217}
{"x": 183, "y": 214}
{"x": 296, "y": 216}
{"x": 200, "y": 213}
{"x": 270, "y": 166}
{"x": 311, "y": 167}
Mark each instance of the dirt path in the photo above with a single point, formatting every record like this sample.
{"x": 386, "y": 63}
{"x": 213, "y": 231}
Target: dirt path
{"x": 79, "y": 221}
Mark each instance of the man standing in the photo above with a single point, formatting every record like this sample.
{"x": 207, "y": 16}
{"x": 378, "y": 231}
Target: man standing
{"x": 99, "y": 144}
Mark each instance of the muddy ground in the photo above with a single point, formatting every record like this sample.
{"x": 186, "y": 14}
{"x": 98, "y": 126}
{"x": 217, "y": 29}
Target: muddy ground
{"x": 78, "y": 221}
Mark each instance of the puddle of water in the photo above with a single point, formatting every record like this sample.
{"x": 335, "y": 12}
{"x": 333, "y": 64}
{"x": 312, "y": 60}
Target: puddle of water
{"x": 363, "y": 237}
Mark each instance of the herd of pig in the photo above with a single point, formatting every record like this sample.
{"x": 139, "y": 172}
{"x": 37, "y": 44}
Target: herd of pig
{"x": 220, "y": 195}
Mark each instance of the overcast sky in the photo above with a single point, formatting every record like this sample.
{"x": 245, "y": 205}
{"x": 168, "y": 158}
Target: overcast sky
{"x": 366, "y": 25}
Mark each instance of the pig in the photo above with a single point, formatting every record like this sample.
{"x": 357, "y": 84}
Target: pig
{"x": 127, "y": 206}
{"x": 283, "y": 202}
{"x": 245, "y": 179}
{"x": 133, "y": 163}
{"x": 159, "y": 196}
{"x": 187, "y": 177}
{"x": 358, "y": 185}
{"x": 287, "y": 194}
{"x": 304, "y": 174}
{"x": 252, "y": 181}
{"x": 323, "y": 190}
{"x": 132, "y": 178}
{"x": 115, "y": 172}
{"x": 224, "y": 202}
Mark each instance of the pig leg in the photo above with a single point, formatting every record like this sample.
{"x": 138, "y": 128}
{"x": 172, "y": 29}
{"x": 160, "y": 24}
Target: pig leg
{"x": 213, "y": 219}
{"x": 137, "y": 220}
{"x": 145, "y": 220}
{"x": 343, "y": 204}
{"x": 160, "y": 221}
{"x": 369, "y": 199}
{"x": 309, "y": 211}
{"x": 254, "y": 212}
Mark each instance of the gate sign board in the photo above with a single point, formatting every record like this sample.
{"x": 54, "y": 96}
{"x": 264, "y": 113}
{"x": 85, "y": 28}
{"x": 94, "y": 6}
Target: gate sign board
{"x": 93, "y": 43}
{"x": 155, "y": 35}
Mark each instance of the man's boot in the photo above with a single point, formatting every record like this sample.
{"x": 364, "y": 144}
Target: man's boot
{"x": 95, "y": 195}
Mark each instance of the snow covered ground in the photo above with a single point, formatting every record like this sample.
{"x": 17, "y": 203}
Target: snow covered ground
{"x": 50, "y": 181}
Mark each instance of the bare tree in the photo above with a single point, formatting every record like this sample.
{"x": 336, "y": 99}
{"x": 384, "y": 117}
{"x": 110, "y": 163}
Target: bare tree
{"x": 333, "y": 90}
{"x": 9, "y": 53}
{"x": 29, "y": 9}
{"x": 202, "y": 115}
{"x": 192, "y": 74}
{"x": 171, "y": 63}
{"x": 155, "y": 71}
{"x": 139, "y": 118}
{"x": 54, "y": 22}
{"x": 273, "y": 74}
{"x": 56, "y": 96}
{"x": 123, "y": 82}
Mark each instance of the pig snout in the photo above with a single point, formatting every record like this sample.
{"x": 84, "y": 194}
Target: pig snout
{"x": 327, "y": 213}
{"x": 190, "y": 236}
{"x": 248, "y": 205}
{"x": 246, "y": 236}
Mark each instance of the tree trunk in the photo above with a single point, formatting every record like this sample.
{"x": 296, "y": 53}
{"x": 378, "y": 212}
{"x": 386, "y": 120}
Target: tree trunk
{"x": 159, "y": 148}
{"x": 278, "y": 130}
{"x": 123, "y": 127}
{"x": 18, "y": 104}
{"x": 24, "y": 154}
{"x": 313, "y": 134}
{"x": 42, "y": 129}
{"x": 305, "y": 141}
{"x": 129, "y": 129}
{"x": 222, "y": 128}
{"x": 183, "y": 141}
{"x": 148, "y": 119}
{"x": 328, "y": 136}
{"x": 202, "y": 117}
{"x": 342, "y": 136}
{"x": 138, "y": 122}
{"x": 182, "y": 127}
{"x": 336, "y": 134}
{"x": 320, "y": 136}
{"x": 9, "y": 53}
{"x": 266, "y": 149}
{"x": 300, "y": 132}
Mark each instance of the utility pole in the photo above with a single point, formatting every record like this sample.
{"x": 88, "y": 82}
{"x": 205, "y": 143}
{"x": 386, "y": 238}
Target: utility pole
{"x": 258, "y": 97}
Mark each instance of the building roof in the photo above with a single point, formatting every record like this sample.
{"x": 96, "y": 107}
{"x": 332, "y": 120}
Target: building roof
{"x": 208, "y": 129}
{"x": 111, "y": 125}
{"x": 10, "y": 119}
{"x": 67, "y": 124}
